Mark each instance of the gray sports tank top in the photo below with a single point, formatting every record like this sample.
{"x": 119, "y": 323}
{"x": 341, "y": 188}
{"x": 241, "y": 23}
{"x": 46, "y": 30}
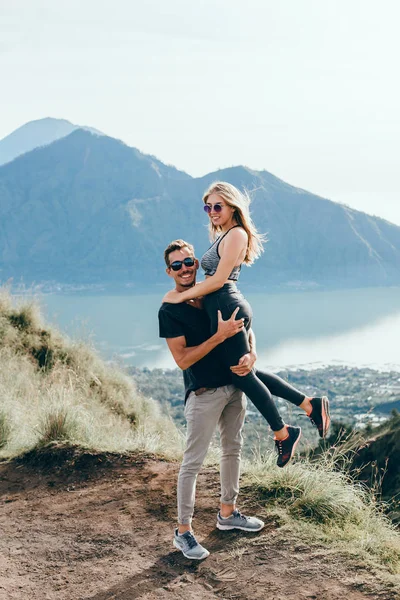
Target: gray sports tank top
{"x": 210, "y": 259}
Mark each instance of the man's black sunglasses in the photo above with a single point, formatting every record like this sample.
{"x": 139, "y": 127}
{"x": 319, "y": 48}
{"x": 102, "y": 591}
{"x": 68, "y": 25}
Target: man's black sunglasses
{"x": 177, "y": 264}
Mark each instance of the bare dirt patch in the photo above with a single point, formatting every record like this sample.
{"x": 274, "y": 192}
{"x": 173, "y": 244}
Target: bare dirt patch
{"x": 92, "y": 527}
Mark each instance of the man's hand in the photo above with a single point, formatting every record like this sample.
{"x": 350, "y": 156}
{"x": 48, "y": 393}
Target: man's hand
{"x": 245, "y": 364}
{"x": 230, "y": 327}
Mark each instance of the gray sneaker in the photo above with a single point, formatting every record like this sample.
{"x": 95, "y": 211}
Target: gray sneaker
{"x": 239, "y": 521}
{"x": 189, "y": 546}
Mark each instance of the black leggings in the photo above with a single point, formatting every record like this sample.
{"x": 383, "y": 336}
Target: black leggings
{"x": 257, "y": 385}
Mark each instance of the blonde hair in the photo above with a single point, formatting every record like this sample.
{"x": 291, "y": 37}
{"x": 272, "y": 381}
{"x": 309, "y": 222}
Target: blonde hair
{"x": 240, "y": 201}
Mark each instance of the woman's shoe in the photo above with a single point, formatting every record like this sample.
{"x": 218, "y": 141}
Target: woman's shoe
{"x": 319, "y": 416}
{"x": 286, "y": 448}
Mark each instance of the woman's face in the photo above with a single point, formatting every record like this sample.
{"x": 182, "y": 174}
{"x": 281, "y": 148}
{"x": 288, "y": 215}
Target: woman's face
{"x": 220, "y": 213}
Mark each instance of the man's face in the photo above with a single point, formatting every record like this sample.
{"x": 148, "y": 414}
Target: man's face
{"x": 186, "y": 276}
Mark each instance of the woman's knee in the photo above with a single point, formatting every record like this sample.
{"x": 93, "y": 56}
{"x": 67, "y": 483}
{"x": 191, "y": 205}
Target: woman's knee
{"x": 251, "y": 386}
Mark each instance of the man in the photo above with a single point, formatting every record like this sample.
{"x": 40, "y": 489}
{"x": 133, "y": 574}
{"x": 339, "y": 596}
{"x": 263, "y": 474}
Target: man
{"x": 210, "y": 400}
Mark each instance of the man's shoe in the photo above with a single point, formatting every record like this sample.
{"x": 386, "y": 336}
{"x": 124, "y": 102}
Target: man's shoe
{"x": 286, "y": 448}
{"x": 319, "y": 415}
{"x": 189, "y": 546}
{"x": 239, "y": 521}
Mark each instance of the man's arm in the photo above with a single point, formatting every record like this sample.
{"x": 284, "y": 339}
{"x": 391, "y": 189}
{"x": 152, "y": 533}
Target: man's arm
{"x": 246, "y": 363}
{"x": 186, "y": 356}
{"x": 252, "y": 344}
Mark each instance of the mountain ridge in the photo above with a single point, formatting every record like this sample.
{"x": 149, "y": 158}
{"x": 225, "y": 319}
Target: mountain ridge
{"x": 92, "y": 209}
{"x": 35, "y": 134}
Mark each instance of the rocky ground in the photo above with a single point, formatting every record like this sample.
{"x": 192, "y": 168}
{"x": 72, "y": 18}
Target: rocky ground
{"x": 100, "y": 528}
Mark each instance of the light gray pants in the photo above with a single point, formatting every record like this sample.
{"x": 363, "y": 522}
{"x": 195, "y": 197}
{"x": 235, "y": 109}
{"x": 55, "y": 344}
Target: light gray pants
{"x": 226, "y": 407}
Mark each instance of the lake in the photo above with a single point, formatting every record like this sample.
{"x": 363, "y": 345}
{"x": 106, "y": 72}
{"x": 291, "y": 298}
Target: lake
{"x": 306, "y": 329}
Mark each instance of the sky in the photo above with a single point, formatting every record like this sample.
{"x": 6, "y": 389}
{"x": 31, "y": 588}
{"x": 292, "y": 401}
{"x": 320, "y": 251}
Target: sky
{"x": 305, "y": 89}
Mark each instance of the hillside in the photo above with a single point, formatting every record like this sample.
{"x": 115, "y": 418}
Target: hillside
{"x": 88, "y": 471}
{"x": 379, "y": 461}
{"x": 52, "y": 389}
{"x": 90, "y": 209}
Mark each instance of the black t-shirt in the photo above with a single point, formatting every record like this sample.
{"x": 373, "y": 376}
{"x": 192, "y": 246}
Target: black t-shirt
{"x": 183, "y": 319}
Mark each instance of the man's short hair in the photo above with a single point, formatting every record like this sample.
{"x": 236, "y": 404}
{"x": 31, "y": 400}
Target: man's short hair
{"x": 176, "y": 245}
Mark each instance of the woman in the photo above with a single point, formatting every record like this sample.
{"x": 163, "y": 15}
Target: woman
{"x": 236, "y": 241}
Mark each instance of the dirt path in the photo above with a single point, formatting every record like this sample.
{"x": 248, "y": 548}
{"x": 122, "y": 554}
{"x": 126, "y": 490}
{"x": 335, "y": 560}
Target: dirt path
{"x": 101, "y": 529}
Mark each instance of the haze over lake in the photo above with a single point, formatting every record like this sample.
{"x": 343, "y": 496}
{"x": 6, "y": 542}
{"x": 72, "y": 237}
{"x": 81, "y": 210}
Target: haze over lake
{"x": 353, "y": 327}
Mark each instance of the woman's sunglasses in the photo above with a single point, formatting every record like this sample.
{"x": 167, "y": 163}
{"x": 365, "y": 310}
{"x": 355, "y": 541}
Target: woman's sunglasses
{"x": 217, "y": 208}
{"x": 177, "y": 264}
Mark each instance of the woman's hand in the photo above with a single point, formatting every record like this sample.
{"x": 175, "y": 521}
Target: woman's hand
{"x": 173, "y": 297}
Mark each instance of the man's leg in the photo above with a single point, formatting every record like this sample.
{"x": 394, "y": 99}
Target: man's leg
{"x": 230, "y": 426}
{"x": 202, "y": 415}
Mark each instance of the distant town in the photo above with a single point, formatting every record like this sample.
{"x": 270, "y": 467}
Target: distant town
{"x": 359, "y": 397}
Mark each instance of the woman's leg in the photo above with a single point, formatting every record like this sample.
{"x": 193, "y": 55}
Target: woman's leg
{"x": 260, "y": 396}
{"x": 281, "y": 388}
{"x": 317, "y": 409}
{"x": 258, "y": 389}
{"x": 234, "y": 348}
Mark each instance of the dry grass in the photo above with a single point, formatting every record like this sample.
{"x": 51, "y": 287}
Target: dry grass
{"x": 324, "y": 503}
{"x": 52, "y": 389}
{"x": 4, "y": 429}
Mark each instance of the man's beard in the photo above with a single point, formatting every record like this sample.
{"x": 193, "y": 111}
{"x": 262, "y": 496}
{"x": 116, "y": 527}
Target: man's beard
{"x": 187, "y": 284}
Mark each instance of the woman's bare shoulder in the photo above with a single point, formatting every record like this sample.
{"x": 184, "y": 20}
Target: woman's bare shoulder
{"x": 238, "y": 234}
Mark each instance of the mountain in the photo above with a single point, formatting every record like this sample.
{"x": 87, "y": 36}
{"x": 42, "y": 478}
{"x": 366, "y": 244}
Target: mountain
{"x": 36, "y": 134}
{"x": 88, "y": 208}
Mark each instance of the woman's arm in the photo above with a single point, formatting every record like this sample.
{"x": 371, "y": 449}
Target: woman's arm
{"x": 234, "y": 244}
